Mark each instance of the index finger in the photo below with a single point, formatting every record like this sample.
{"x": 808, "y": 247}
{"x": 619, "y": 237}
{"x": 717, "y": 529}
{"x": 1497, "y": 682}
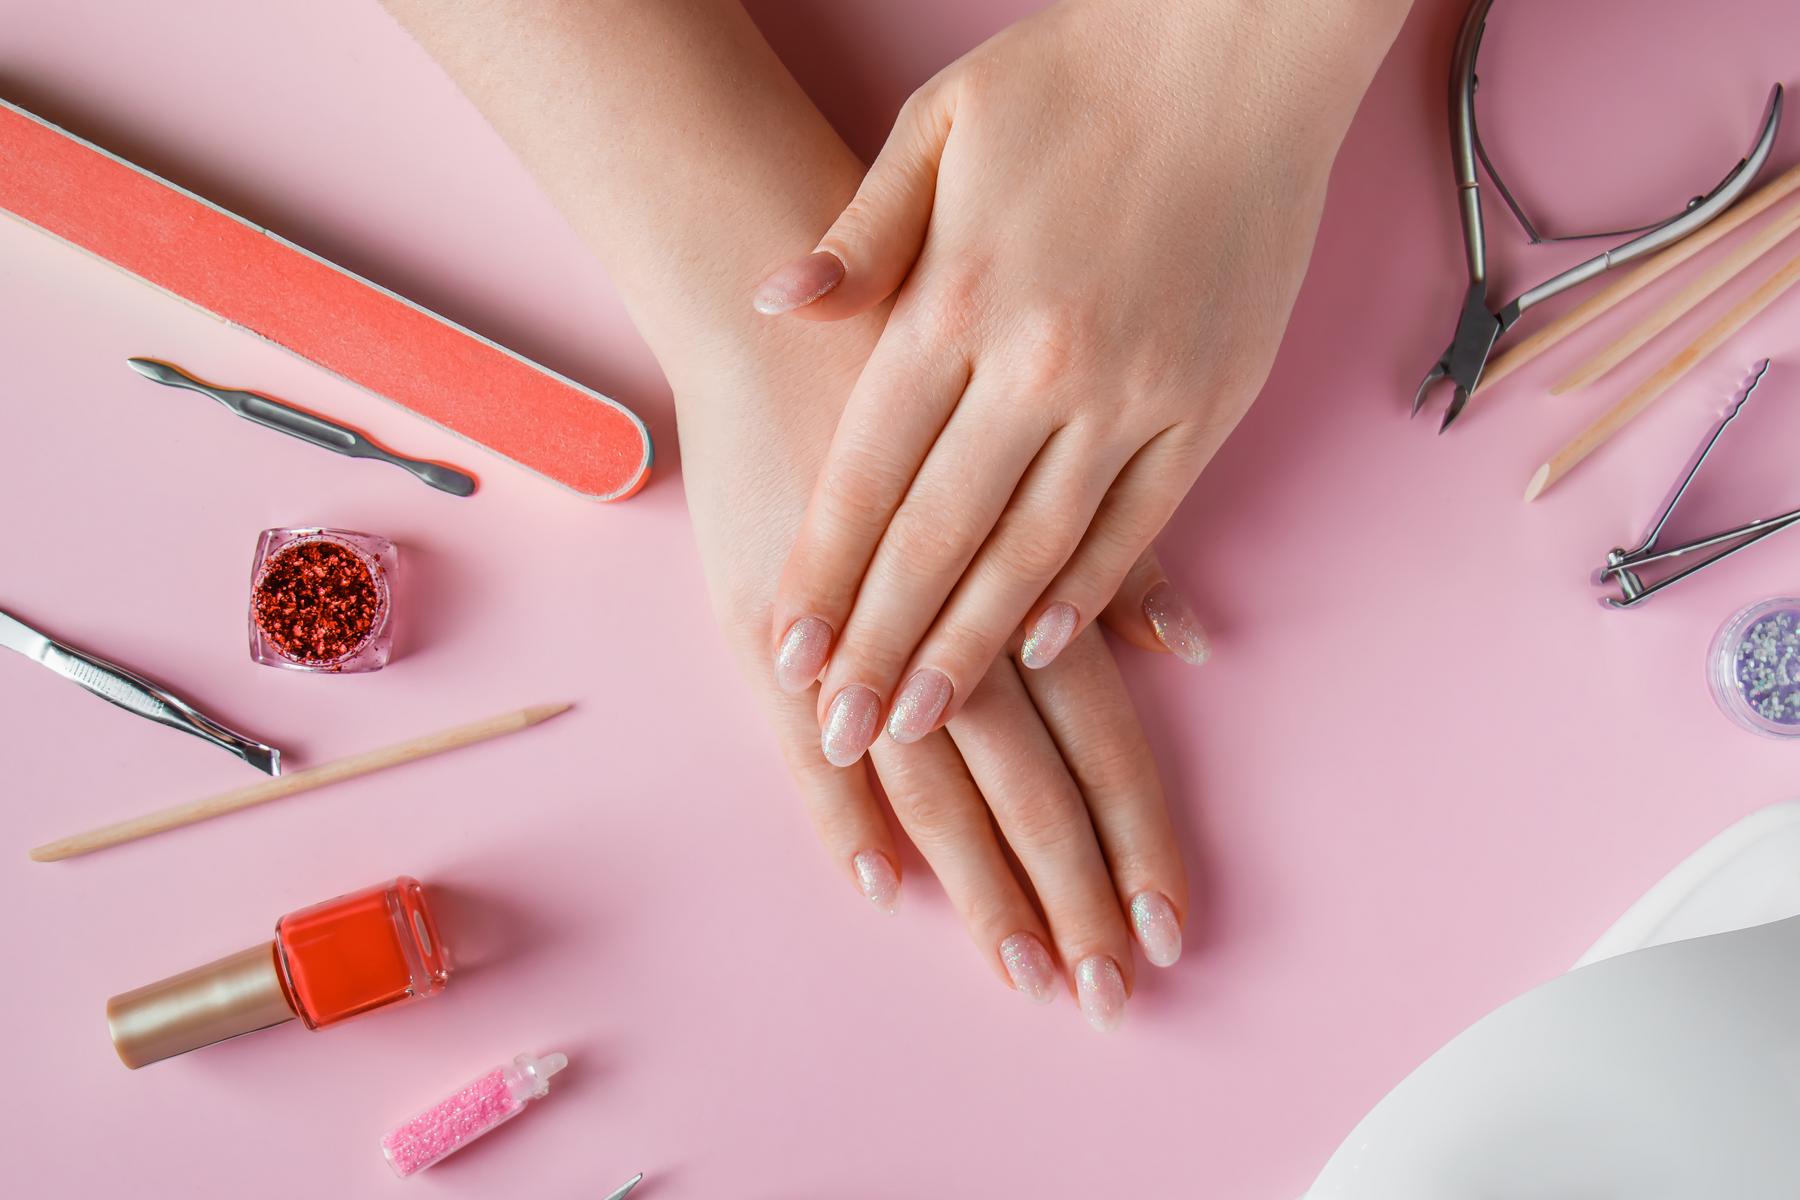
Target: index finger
{"x": 899, "y": 404}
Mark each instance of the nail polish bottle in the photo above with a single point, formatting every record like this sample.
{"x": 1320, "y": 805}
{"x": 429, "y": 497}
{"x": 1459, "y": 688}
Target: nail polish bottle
{"x": 477, "y": 1107}
{"x": 321, "y": 600}
{"x": 367, "y": 950}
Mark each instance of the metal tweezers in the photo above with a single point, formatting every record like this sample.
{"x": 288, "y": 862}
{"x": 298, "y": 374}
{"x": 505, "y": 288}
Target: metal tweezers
{"x": 1622, "y": 566}
{"x": 1479, "y": 326}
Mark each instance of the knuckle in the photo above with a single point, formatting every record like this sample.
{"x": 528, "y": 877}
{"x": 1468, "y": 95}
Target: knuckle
{"x": 1117, "y": 543}
{"x": 857, "y": 226}
{"x": 1046, "y": 821}
{"x": 849, "y": 500}
{"x": 989, "y": 912}
{"x": 924, "y": 538}
{"x": 951, "y": 309}
{"x": 1113, "y": 767}
{"x": 933, "y": 815}
{"x": 963, "y": 650}
{"x": 1053, "y": 337}
{"x": 927, "y": 111}
{"x": 1031, "y": 553}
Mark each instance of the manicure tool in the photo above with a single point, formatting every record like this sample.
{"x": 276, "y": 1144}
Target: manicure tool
{"x": 1602, "y": 300}
{"x": 1479, "y": 326}
{"x": 300, "y": 781}
{"x": 1722, "y": 273}
{"x": 109, "y": 681}
{"x": 252, "y": 278}
{"x": 1633, "y": 403}
{"x": 298, "y": 423}
{"x": 1622, "y": 565}
{"x": 627, "y": 1189}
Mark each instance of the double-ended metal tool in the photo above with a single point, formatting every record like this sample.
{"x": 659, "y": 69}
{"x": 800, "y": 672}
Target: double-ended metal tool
{"x": 1480, "y": 325}
{"x": 132, "y": 692}
{"x": 299, "y": 423}
{"x": 1622, "y": 566}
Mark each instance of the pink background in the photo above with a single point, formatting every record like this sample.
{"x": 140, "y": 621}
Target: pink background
{"x": 1422, "y": 772}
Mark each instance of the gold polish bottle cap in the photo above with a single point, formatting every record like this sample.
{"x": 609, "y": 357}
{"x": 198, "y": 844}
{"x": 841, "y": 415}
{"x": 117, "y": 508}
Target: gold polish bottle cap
{"x": 237, "y": 994}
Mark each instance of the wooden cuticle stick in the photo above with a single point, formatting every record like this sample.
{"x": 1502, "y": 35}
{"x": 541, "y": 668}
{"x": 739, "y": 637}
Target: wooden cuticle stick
{"x": 288, "y": 785}
{"x": 1665, "y": 377}
{"x": 1603, "y": 301}
{"x": 1690, "y": 297}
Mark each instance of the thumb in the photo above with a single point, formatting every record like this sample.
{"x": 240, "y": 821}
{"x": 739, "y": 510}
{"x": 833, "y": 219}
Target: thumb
{"x": 1150, "y": 614}
{"x": 869, "y": 249}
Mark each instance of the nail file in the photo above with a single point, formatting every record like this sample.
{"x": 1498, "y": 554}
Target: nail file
{"x": 249, "y": 277}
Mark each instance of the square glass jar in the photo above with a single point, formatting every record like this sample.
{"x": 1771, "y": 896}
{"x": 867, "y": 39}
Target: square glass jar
{"x": 322, "y": 600}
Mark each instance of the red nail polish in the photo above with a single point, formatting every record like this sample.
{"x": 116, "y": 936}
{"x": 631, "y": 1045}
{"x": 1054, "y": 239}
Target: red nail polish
{"x": 367, "y": 950}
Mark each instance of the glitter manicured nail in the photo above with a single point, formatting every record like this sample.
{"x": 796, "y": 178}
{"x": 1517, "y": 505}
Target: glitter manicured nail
{"x": 1049, "y": 634}
{"x": 1158, "y": 929}
{"x": 920, "y": 703}
{"x": 875, "y": 876}
{"x": 1101, "y": 991}
{"x": 850, "y": 725}
{"x": 799, "y": 283}
{"x": 802, "y": 654}
{"x": 1175, "y": 625}
{"x": 1029, "y": 967}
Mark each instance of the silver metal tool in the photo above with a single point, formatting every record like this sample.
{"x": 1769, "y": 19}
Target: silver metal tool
{"x": 1622, "y": 566}
{"x": 299, "y": 423}
{"x": 134, "y": 693}
{"x": 1479, "y": 326}
{"x": 629, "y": 1185}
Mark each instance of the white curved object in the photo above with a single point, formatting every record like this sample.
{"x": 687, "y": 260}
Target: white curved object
{"x": 1667, "y": 1067}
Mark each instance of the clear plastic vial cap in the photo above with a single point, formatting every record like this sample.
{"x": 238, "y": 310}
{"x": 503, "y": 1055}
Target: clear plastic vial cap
{"x": 1754, "y": 667}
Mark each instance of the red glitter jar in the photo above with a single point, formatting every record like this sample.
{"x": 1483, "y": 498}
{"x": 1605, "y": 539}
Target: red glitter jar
{"x": 321, "y": 600}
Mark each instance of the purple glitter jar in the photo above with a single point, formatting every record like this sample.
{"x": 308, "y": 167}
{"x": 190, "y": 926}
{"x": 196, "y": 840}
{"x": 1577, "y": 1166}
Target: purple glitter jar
{"x": 1755, "y": 667}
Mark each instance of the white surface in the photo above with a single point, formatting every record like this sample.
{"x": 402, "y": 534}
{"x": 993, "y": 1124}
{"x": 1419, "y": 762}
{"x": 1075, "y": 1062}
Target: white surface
{"x": 1667, "y": 1065}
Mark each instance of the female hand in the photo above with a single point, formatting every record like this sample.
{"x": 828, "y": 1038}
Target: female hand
{"x": 720, "y": 163}
{"x": 1096, "y": 224}
{"x": 1056, "y": 756}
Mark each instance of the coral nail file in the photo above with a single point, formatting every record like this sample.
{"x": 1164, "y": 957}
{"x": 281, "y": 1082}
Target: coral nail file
{"x": 358, "y": 330}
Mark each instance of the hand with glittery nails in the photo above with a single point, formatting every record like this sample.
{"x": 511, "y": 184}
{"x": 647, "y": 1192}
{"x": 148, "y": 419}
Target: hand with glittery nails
{"x": 1093, "y": 227}
{"x": 1050, "y": 766}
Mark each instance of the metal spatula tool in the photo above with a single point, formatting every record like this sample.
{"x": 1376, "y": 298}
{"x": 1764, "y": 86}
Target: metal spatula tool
{"x": 308, "y": 427}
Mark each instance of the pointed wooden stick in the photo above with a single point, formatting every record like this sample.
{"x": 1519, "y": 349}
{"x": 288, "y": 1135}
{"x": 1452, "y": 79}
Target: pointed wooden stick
{"x": 1683, "y": 302}
{"x": 1641, "y": 397}
{"x": 288, "y": 785}
{"x": 1607, "y": 298}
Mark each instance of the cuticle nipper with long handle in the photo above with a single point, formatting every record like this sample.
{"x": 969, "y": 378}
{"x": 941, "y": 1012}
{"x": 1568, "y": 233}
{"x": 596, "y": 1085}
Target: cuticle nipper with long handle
{"x": 1479, "y": 326}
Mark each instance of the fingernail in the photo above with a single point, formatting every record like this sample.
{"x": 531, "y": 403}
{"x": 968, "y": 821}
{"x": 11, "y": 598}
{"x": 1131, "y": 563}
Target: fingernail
{"x": 1049, "y": 634}
{"x": 1101, "y": 991}
{"x": 1175, "y": 625}
{"x": 802, "y": 654}
{"x": 920, "y": 704}
{"x": 850, "y": 725}
{"x": 799, "y": 283}
{"x": 875, "y": 876}
{"x": 1029, "y": 967}
{"x": 1158, "y": 929}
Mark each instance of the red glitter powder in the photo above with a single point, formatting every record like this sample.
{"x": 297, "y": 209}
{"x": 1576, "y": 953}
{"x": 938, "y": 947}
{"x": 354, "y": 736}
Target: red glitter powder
{"x": 316, "y": 602}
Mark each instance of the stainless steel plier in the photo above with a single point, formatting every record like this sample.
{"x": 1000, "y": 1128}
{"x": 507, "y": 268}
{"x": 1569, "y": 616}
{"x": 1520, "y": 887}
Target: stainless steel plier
{"x": 1480, "y": 326}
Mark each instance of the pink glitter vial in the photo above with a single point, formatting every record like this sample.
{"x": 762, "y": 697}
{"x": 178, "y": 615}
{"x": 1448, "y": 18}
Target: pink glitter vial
{"x": 469, "y": 1112}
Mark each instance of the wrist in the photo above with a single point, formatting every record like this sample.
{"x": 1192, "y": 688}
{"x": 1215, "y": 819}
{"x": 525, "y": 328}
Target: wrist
{"x": 1308, "y": 62}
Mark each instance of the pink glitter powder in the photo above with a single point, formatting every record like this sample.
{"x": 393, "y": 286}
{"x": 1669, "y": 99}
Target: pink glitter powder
{"x": 469, "y": 1112}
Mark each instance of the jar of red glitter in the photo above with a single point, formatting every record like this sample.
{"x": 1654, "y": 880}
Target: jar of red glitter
{"x": 321, "y": 600}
